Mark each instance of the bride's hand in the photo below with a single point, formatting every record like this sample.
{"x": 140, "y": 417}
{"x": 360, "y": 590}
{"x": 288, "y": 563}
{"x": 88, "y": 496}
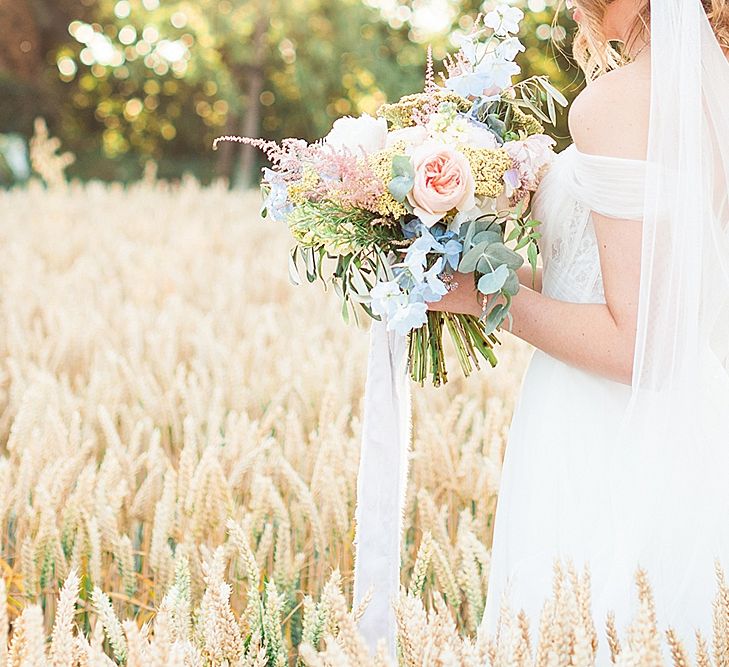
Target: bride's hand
{"x": 463, "y": 299}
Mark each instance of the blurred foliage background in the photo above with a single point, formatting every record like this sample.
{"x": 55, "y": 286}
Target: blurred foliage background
{"x": 125, "y": 81}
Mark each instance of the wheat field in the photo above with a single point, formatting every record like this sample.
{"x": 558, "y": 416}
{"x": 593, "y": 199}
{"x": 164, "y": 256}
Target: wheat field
{"x": 180, "y": 430}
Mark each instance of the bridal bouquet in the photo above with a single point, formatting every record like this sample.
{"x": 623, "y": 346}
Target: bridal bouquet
{"x": 386, "y": 208}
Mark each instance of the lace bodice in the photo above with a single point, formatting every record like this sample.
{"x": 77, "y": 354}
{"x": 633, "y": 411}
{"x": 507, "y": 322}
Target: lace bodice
{"x": 575, "y": 185}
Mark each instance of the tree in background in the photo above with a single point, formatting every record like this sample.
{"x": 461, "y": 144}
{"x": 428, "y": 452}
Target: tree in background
{"x": 131, "y": 80}
{"x": 32, "y": 30}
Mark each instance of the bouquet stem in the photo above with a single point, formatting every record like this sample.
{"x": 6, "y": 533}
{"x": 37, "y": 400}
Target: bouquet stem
{"x": 469, "y": 339}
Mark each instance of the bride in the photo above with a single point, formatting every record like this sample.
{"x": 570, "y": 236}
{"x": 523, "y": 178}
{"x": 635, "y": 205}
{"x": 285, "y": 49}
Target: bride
{"x": 618, "y": 452}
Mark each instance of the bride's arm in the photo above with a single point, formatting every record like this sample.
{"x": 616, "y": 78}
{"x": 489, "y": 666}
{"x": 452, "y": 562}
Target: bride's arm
{"x": 610, "y": 118}
{"x": 525, "y": 277}
{"x": 596, "y": 337}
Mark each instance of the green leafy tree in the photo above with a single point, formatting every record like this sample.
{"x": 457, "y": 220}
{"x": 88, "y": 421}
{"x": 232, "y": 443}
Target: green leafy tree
{"x": 182, "y": 73}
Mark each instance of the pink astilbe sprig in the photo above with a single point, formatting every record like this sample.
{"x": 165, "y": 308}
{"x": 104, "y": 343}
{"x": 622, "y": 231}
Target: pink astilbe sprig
{"x": 342, "y": 176}
{"x": 430, "y": 106}
{"x": 288, "y": 157}
{"x": 346, "y": 178}
{"x": 231, "y": 138}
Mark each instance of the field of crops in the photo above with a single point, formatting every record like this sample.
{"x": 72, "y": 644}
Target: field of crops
{"x": 180, "y": 428}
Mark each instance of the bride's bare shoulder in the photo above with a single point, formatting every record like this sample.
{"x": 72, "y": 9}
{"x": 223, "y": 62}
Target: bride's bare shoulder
{"x": 610, "y": 116}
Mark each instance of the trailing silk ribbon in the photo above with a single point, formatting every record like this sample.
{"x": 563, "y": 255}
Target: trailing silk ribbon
{"x": 381, "y": 483}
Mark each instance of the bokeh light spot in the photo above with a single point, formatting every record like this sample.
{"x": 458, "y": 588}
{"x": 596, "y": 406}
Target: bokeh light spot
{"x": 86, "y": 56}
{"x": 133, "y": 108}
{"x": 150, "y": 34}
{"x": 122, "y": 9}
{"x": 168, "y": 131}
{"x": 543, "y": 31}
{"x": 178, "y": 20}
{"x": 221, "y": 107}
{"x": 128, "y": 35}
{"x": 67, "y": 67}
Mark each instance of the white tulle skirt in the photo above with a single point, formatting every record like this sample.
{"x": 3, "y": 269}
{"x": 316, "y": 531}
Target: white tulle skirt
{"x": 561, "y": 495}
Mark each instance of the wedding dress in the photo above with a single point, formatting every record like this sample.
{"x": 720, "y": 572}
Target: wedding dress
{"x": 561, "y": 487}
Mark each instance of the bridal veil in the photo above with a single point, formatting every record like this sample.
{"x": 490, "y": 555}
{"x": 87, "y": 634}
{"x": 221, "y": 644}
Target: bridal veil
{"x": 672, "y": 516}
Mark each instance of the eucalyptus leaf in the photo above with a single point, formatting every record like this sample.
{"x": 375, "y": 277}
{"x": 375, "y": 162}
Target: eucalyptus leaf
{"x": 466, "y": 233}
{"x": 484, "y": 265}
{"x": 470, "y": 229}
{"x": 402, "y": 166}
{"x": 486, "y": 222}
{"x": 487, "y": 236}
{"x": 495, "y": 318}
{"x": 470, "y": 258}
{"x": 491, "y": 283}
{"x": 399, "y": 187}
{"x": 511, "y": 285}
{"x": 498, "y": 253}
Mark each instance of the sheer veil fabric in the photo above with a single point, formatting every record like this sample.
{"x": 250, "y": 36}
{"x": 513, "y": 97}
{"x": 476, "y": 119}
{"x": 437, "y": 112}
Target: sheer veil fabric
{"x": 670, "y": 463}
{"x": 616, "y": 476}
{"x": 672, "y": 450}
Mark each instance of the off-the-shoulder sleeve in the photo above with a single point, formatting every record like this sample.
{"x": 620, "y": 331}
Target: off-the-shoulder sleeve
{"x": 610, "y": 186}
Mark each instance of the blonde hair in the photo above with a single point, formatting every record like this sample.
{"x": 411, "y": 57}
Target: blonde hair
{"x": 594, "y": 53}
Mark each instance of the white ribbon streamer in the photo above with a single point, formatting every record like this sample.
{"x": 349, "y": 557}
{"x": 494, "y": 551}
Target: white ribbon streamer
{"x": 381, "y": 484}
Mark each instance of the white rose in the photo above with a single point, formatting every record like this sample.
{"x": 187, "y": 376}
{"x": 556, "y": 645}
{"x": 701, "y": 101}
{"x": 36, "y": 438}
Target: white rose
{"x": 365, "y": 133}
{"x": 480, "y": 137}
{"x": 412, "y": 136}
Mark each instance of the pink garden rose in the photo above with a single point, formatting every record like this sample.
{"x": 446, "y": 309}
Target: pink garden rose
{"x": 443, "y": 182}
